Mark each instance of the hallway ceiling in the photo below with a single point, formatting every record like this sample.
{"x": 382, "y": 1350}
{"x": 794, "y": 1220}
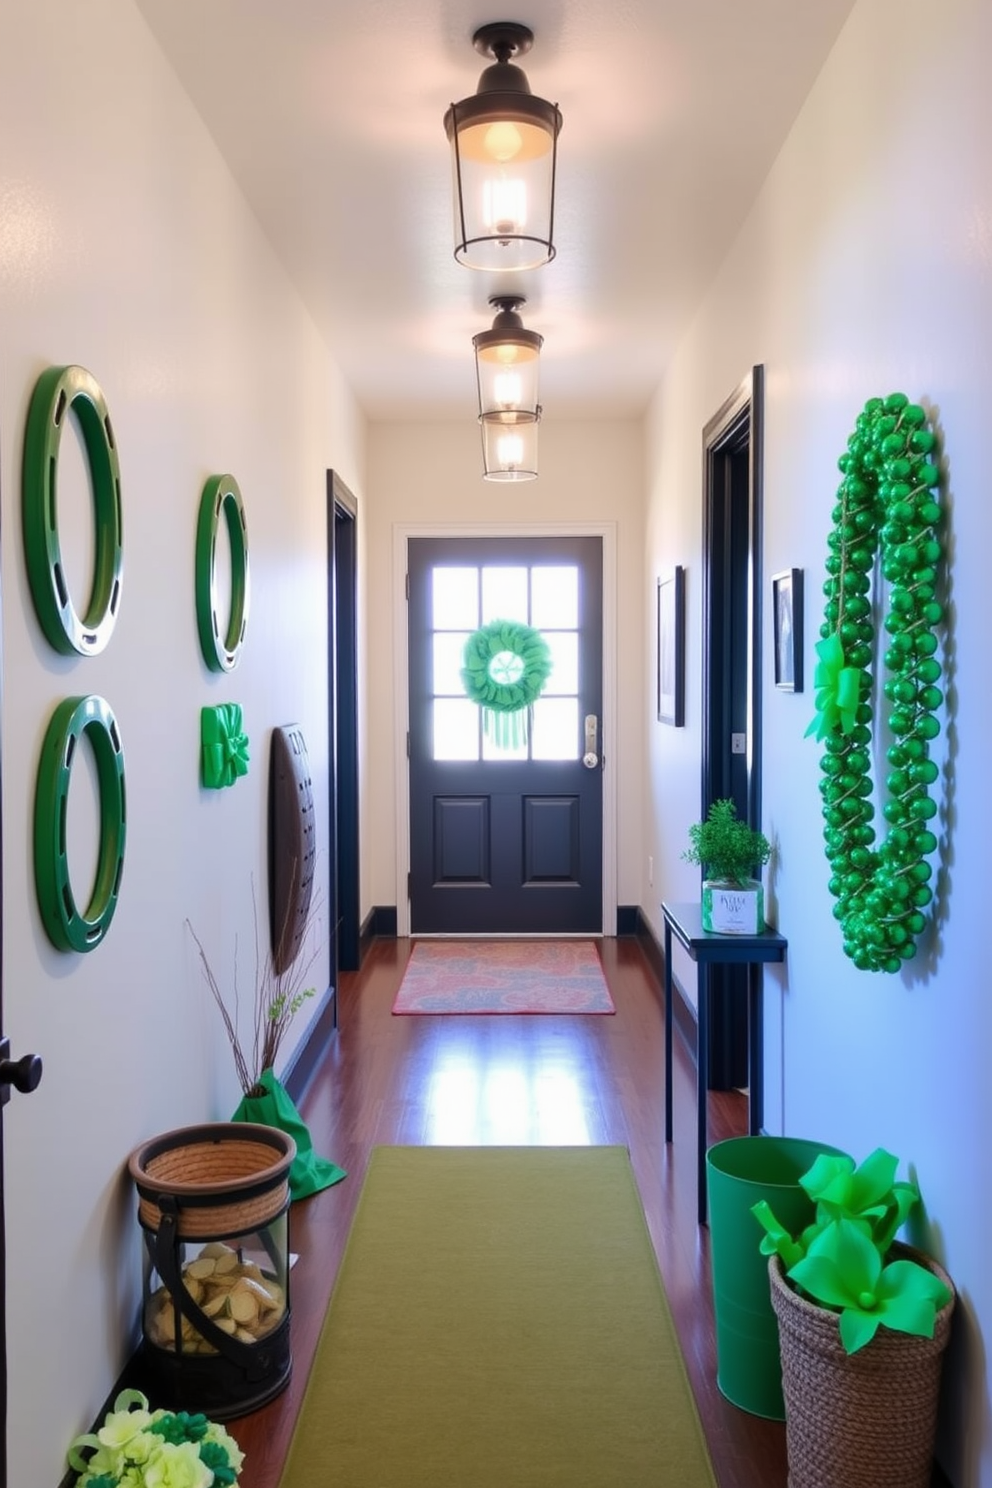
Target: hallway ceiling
{"x": 329, "y": 116}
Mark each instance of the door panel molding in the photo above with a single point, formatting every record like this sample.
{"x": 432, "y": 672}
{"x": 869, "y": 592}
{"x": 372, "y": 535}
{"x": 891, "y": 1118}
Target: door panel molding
{"x": 402, "y": 533}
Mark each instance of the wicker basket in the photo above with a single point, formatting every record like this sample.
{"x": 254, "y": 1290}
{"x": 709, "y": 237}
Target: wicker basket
{"x": 227, "y": 1177}
{"x": 862, "y": 1420}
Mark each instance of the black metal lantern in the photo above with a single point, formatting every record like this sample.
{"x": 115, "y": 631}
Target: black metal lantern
{"x": 504, "y": 145}
{"x": 507, "y": 361}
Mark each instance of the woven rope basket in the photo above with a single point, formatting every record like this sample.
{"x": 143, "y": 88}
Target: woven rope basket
{"x": 227, "y": 1178}
{"x": 862, "y": 1420}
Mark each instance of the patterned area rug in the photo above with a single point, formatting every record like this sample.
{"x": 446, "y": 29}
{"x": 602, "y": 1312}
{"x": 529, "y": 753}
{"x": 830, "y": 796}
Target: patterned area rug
{"x": 504, "y": 976}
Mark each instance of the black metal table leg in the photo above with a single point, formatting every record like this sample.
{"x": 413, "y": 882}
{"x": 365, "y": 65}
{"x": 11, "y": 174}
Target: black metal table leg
{"x": 755, "y": 1054}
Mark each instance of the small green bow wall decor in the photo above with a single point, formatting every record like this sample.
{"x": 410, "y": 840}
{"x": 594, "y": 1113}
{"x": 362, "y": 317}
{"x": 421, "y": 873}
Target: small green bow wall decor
{"x": 223, "y": 746}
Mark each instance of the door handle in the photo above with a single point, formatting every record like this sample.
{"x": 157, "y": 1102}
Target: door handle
{"x": 24, "y": 1073}
{"x": 591, "y": 729}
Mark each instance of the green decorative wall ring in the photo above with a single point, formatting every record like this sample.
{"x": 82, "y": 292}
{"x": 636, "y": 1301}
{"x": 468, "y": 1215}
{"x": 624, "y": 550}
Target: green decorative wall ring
{"x": 221, "y": 652}
{"x": 887, "y": 499}
{"x": 68, "y": 928}
{"x": 57, "y": 392}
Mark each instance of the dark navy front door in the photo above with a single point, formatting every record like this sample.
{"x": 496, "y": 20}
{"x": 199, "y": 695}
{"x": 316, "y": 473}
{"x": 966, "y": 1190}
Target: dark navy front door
{"x": 505, "y": 834}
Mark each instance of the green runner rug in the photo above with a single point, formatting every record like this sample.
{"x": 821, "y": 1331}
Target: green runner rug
{"x": 498, "y": 1321}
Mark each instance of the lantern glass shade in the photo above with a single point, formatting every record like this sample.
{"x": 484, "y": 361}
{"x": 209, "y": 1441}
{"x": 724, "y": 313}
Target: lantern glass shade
{"x": 507, "y": 370}
{"x": 504, "y": 144}
{"x": 509, "y": 447}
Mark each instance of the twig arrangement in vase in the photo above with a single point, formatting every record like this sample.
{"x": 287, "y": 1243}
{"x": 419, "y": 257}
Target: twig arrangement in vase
{"x": 278, "y": 997}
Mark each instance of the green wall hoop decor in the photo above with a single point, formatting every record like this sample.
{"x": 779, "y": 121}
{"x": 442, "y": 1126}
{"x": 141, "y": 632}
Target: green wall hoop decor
{"x": 221, "y": 652}
{"x": 68, "y": 928}
{"x": 506, "y": 665}
{"x": 223, "y": 746}
{"x": 887, "y": 499}
{"x": 57, "y": 392}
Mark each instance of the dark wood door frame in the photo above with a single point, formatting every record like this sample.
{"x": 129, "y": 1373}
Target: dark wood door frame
{"x": 732, "y": 504}
{"x": 342, "y": 702}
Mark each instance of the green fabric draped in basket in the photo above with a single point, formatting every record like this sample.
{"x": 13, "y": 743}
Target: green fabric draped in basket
{"x": 309, "y": 1173}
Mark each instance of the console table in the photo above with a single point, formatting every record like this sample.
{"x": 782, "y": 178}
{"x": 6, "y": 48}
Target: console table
{"x": 684, "y": 921}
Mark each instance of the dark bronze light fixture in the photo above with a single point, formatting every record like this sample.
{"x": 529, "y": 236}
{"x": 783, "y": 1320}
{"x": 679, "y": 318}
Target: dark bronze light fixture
{"x": 504, "y": 146}
{"x": 507, "y": 362}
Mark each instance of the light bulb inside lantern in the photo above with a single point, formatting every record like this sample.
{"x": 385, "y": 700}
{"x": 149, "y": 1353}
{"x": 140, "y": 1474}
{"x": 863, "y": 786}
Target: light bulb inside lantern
{"x": 510, "y": 451}
{"x": 503, "y": 141}
{"x": 508, "y": 389}
{"x": 504, "y": 205}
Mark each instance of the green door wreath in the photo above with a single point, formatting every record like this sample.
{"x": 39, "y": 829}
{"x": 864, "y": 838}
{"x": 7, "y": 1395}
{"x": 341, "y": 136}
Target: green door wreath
{"x": 887, "y": 499}
{"x": 506, "y": 666}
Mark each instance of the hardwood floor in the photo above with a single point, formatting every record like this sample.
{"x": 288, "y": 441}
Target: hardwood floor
{"x": 514, "y": 1080}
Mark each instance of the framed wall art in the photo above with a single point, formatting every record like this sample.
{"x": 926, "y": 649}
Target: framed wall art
{"x": 787, "y": 622}
{"x": 671, "y": 648}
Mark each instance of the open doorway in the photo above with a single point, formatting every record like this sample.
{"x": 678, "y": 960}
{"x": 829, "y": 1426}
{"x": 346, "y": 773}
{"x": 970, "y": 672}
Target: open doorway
{"x": 732, "y": 466}
{"x": 342, "y": 700}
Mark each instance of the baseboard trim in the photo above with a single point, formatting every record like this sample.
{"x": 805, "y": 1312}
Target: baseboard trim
{"x": 627, "y": 918}
{"x": 380, "y": 922}
{"x": 683, "y": 1012}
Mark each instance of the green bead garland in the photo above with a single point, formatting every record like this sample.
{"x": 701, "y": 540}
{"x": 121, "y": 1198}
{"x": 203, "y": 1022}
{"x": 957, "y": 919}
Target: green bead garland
{"x": 887, "y": 499}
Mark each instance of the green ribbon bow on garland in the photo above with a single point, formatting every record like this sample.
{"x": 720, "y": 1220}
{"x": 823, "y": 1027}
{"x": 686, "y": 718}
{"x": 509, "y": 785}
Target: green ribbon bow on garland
{"x": 506, "y": 666}
{"x": 837, "y": 688}
{"x": 224, "y": 746}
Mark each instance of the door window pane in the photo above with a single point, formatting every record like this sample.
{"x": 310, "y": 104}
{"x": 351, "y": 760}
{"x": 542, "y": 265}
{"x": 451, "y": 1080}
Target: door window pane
{"x": 564, "y": 647}
{"x": 556, "y": 729}
{"x": 498, "y": 752}
{"x": 555, "y": 597}
{"x": 455, "y": 596}
{"x": 456, "y": 729}
{"x": 449, "y": 658}
{"x": 504, "y": 594}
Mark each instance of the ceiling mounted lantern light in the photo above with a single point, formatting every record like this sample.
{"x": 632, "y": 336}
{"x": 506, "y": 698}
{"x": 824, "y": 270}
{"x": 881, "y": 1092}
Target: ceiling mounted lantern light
{"x": 507, "y": 361}
{"x": 504, "y": 145}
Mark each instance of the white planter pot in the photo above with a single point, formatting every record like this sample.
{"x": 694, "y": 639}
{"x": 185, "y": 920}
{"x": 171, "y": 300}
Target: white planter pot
{"x": 730, "y": 909}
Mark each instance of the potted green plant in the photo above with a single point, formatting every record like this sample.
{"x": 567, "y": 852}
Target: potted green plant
{"x": 863, "y": 1324}
{"x": 729, "y": 851}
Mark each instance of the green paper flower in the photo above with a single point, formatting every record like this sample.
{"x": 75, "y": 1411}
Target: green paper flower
{"x": 178, "y": 1465}
{"x": 120, "y": 1426}
{"x": 136, "y": 1448}
{"x": 843, "y": 1270}
{"x": 868, "y": 1193}
{"x": 776, "y": 1240}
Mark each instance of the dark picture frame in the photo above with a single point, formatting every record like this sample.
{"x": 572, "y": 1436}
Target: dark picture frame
{"x": 671, "y": 648}
{"x": 787, "y": 629}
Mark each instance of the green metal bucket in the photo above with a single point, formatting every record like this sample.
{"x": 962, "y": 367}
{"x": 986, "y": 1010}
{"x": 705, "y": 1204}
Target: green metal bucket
{"x": 739, "y": 1173}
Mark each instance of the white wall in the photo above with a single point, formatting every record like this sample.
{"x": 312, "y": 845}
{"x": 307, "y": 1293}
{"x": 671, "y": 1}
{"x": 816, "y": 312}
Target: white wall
{"x": 865, "y": 267}
{"x": 125, "y": 246}
{"x": 431, "y": 474}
